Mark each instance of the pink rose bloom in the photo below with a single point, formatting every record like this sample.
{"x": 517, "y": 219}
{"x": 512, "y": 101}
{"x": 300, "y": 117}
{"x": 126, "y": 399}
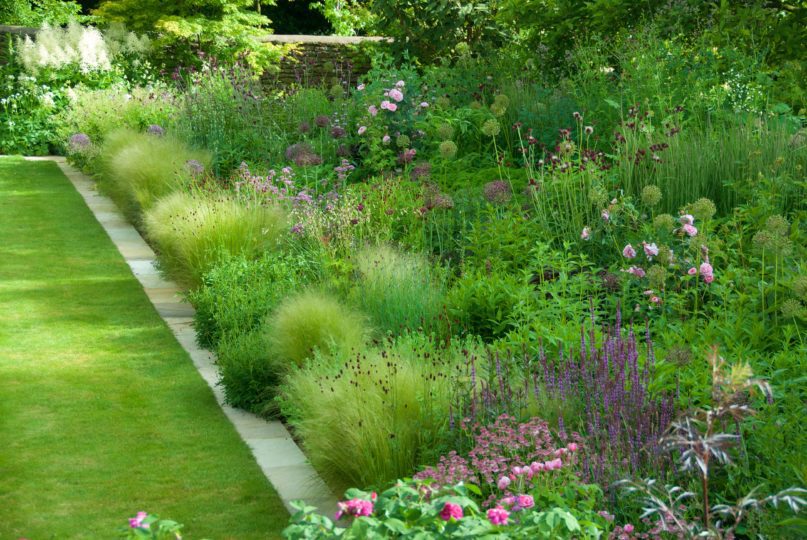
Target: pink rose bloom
{"x": 451, "y": 511}
{"x": 637, "y": 271}
{"x": 689, "y": 229}
{"x": 573, "y": 447}
{"x": 400, "y": 84}
{"x": 396, "y": 94}
{"x": 354, "y": 507}
{"x": 386, "y": 139}
{"x": 362, "y": 129}
{"x": 606, "y": 216}
{"x": 137, "y": 521}
{"x": 706, "y": 269}
{"x": 687, "y": 219}
{"x": 692, "y": 271}
{"x": 628, "y": 252}
{"x": 651, "y": 250}
{"x": 424, "y": 104}
{"x": 525, "y": 501}
{"x": 360, "y": 87}
{"x": 586, "y": 234}
{"x": 537, "y": 467}
{"x": 655, "y": 299}
{"x": 708, "y": 279}
{"x": 373, "y": 110}
{"x": 498, "y": 515}
{"x": 628, "y": 528}
{"x": 503, "y": 483}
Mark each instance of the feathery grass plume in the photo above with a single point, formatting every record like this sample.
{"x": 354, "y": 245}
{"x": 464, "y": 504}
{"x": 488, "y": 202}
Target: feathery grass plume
{"x": 397, "y": 290}
{"x": 248, "y": 375}
{"x": 194, "y": 231}
{"x": 140, "y": 168}
{"x": 372, "y": 417}
{"x": 313, "y": 321}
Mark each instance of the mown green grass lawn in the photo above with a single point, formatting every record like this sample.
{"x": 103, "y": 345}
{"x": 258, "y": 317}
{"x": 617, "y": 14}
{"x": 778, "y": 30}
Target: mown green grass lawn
{"x": 102, "y": 413}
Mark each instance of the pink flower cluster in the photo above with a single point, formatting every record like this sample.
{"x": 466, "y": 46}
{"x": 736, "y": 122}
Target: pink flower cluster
{"x": 498, "y": 515}
{"x": 688, "y": 225}
{"x": 354, "y": 507}
{"x": 137, "y": 521}
{"x": 451, "y": 511}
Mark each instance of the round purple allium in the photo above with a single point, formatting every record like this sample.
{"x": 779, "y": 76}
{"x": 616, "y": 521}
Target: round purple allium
{"x": 297, "y": 149}
{"x": 195, "y": 167}
{"x": 155, "y": 130}
{"x": 305, "y": 159}
{"x": 407, "y": 156}
{"x": 322, "y": 121}
{"x": 304, "y": 127}
{"x": 79, "y": 142}
{"x": 337, "y": 132}
{"x": 497, "y": 192}
{"x": 421, "y": 171}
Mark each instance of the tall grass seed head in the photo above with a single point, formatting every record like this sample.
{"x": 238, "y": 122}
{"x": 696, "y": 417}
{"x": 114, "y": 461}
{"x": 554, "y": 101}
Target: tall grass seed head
{"x": 651, "y": 195}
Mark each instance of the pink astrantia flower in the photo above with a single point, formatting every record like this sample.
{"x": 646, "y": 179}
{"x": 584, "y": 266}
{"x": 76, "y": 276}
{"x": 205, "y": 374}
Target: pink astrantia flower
{"x": 651, "y": 250}
{"x": 689, "y": 229}
{"x": 424, "y": 104}
{"x": 525, "y": 501}
{"x": 451, "y": 511}
{"x": 503, "y": 483}
{"x": 373, "y": 110}
{"x": 386, "y": 139}
{"x": 498, "y": 515}
{"x": 360, "y": 87}
{"x": 586, "y": 234}
{"x": 396, "y": 94}
{"x": 628, "y": 252}
{"x": 137, "y": 521}
{"x": 362, "y": 129}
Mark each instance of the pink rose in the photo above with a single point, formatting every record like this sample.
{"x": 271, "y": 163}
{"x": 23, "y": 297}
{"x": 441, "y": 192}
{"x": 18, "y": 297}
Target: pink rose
{"x": 650, "y": 250}
{"x": 628, "y": 252}
{"x": 451, "y": 511}
{"x": 689, "y": 229}
{"x": 396, "y": 94}
{"x": 503, "y": 483}
{"x": 385, "y": 139}
{"x": 586, "y": 234}
{"x": 362, "y": 129}
{"x": 525, "y": 501}
{"x": 628, "y": 528}
{"x": 373, "y": 110}
{"x": 498, "y": 515}
{"x": 400, "y": 84}
{"x": 692, "y": 271}
{"x": 573, "y": 447}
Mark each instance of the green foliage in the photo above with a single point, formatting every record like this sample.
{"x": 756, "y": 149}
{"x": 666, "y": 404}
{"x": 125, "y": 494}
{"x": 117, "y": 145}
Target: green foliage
{"x": 193, "y": 231}
{"x": 309, "y": 322}
{"x": 239, "y": 292}
{"x": 247, "y": 372}
{"x": 224, "y": 29}
{"x": 399, "y": 291}
{"x": 140, "y": 168}
{"x": 34, "y": 13}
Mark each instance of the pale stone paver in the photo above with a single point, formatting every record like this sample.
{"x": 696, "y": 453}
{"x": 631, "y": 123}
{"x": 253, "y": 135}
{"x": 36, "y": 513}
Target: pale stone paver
{"x": 278, "y": 456}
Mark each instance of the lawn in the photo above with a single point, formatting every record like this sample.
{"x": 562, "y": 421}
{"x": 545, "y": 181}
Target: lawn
{"x": 102, "y": 413}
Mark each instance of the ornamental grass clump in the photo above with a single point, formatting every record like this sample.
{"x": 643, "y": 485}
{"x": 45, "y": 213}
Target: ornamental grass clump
{"x": 138, "y": 169}
{"x": 192, "y": 231}
{"x": 399, "y": 291}
{"x": 311, "y": 322}
{"x": 373, "y": 416}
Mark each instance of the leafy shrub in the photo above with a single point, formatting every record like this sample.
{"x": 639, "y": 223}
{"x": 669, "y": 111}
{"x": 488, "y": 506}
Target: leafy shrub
{"x": 398, "y": 290}
{"x": 248, "y": 374}
{"x": 139, "y": 168}
{"x": 238, "y": 292}
{"x": 372, "y": 416}
{"x": 193, "y": 231}
{"x": 311, "y": 322}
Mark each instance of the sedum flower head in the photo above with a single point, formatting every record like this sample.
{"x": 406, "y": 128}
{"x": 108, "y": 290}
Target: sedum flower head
{"x": 651, "y": 195}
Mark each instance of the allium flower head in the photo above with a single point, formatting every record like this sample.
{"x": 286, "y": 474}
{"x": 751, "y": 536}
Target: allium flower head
{"x": 337, "y": 132}
{"x": 402, "y": 141}
{"x": 448, "y": 149}
{"x": 445, "y": 131}
{"x": 702, "y": 209}
{"x": 79, "y": 142}
{"x": 664, "y": 222}
{"x": 155, "y": 130}
{"x": 491, "y": 128}
{"x": 792, "y": 309}
{"x": 195, "y": 167}
{"x": 497, "y": 192}
{"x": 307, "y": 159}
{"x": 322, "y": 121}
{"x": 294, "y": 150}
{"x": 651, "y": 195}
{"x": 800, "y": 287}
{"x": 304, "y": 127}
{"x": 777, "y": 225}
{"x": 443, "y": 102}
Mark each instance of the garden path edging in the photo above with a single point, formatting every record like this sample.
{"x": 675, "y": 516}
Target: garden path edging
{"x": 278, "y": 456}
